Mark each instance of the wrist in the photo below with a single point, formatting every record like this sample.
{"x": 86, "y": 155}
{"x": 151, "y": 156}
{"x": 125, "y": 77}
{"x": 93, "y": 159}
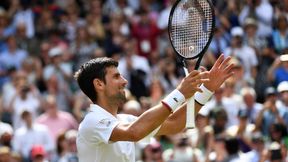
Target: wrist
{"x": 173, "y": 100}
{"x": 204, "y": 96}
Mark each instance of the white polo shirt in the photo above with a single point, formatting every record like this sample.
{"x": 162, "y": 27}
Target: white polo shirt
{"x": 93, "y": 143}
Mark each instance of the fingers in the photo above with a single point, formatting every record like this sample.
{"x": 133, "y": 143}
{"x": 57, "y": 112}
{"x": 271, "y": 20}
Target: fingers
{"x": 196, "y": 75}
{"x": 229, "y": 67}
{"x": 219, "y": 61}
{"x": 193, "y": 73}
{"x": 225, "y": 62}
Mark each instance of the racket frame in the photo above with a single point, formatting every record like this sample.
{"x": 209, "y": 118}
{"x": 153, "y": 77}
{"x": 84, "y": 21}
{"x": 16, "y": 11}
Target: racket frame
{"x": 190, "y": 110}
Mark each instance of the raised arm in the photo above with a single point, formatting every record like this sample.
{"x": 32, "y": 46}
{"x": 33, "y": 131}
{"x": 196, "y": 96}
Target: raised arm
{"x": 154, "y": 117}
{"x": 221, "y": 70}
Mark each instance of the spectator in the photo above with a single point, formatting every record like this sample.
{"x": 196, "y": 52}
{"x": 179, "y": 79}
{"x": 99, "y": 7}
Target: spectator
{"x": 83, "y": 47}
{"x": 243, "y": 131}
{"x": 238, "y": 77}
{"x": 13, "y": 57}
{"x": 152, "y": 152}
{"x": 250, "y": 105}
{"x": 6, "y": 28}
{"x": 45, "y": 24}
{"x": 156, "y": 91}
{"x": 31, "y": 134}
{"x": 6, "y": 134}
{"x": 97, "y": 21}
{"x": 251, "y": 38}
{"x": 80, "y": 106}
{"x": 169, "y": 77}
{"x": 280, "y": 34}
{"x": 218, "y": 118}
{"x": 262, "y": 11}
{"x": 38, "y": 154}
{"x": 278, "y": 132}
{"x": 219, "y": 42}
{"x": 136, "y": 69}
{"x": 275, "y": 153}
{"x": 25, "y": 15}
{"x": 33, "y": 68}
{"x": 71, "y": 22}
{"x": 270, "y": 112}
{"x": 58, "y": 66}
{"x": 217, "y": 151}
{"x": 233, "y": 149}
{"x": 182, "y": 151}
{"x": 29, "y": 44}
{"x": 258, "y": 148}
{"x": 244, "y": 53}
{"x": 132, "y": 107}
{"x": 232, "y": 101}
{"x": 56, "y": 120}
{"x": 26, "y": 97}
{"x": 202, "y": 137}
{"x": 277, "y": 71}
{"x": 145, "y": 31}
{"x": 57, "y": 77}
{"x": 5, "y": 154}
{"x": 66, "y": 147}
{"x": 282, "y": 103}
{"x": 9, "y": 90}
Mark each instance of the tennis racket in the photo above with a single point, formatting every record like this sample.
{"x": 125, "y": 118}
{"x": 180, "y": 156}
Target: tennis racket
{"x": 191, "y": 27}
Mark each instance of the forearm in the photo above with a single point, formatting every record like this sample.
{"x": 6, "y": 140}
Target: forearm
{"x": 144, "y": 125}
{"x": 176, "y": 122}
{"x": 270, "y": 73}
{"x": 258, "y": 122}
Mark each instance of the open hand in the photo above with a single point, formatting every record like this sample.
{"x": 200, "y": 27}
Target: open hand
{"x": 221, "y": 70}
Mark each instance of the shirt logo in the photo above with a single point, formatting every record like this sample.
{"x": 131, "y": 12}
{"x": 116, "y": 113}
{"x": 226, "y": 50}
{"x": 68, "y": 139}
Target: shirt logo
{"x": 105, "y": 122}
{"x": 175, "y": 99}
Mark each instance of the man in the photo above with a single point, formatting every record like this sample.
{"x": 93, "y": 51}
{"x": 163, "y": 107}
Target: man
{"x": 31, "y": 134}
{"x": 246, "y": 55}
{"x": 105, "y": 136}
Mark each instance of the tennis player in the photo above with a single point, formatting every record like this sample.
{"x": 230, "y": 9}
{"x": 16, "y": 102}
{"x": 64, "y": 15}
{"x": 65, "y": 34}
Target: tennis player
{"x": 105, "y": 136}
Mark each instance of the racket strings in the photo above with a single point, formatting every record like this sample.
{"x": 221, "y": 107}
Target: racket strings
{"x": 190, "y": 28}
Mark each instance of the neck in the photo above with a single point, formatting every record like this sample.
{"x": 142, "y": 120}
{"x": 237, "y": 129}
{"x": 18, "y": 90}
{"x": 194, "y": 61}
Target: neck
{"x": 29, "y": 125}
{"x": 110, "y": 106}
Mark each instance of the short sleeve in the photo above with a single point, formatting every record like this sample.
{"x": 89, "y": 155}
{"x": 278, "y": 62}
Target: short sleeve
{"x": 99, "y": 130}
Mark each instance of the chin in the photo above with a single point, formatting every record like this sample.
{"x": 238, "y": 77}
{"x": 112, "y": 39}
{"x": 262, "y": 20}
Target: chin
{"x": 122, "y": 98}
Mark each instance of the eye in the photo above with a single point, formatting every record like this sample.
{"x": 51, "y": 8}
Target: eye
{"x": 117, "y": 76}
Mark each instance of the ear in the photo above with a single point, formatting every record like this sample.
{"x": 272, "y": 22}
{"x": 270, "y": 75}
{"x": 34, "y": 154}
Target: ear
{"x": 98, "y": 84}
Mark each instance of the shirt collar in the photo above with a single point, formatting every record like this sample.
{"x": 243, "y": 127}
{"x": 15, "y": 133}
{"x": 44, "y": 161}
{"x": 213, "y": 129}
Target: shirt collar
{"x": 99, "y": 110}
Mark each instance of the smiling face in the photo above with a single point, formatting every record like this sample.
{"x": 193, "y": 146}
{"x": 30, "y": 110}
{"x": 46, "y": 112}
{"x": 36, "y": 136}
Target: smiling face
{"x": 114, "y": 86}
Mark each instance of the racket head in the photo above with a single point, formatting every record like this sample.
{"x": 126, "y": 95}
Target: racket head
{"x": 191, "y": 27}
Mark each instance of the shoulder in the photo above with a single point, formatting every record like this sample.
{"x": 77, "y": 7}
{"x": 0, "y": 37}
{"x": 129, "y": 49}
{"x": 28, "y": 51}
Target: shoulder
{"x": 126, "y": 117}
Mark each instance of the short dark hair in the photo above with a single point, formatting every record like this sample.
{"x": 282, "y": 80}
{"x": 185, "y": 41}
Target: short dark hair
{"x": 95, "y": 68}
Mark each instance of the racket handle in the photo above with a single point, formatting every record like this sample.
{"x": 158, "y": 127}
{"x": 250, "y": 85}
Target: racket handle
{"x": 190, "y": 114}
{"x": 190, "y": 109}
{"x": 186, "y": 71}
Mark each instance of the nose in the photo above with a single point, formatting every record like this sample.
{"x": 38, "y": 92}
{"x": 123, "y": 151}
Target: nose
{"x": 125, "y": 82}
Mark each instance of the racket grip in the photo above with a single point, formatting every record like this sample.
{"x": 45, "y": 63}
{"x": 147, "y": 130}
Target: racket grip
{"x": 186, "y": 71}
{"x": 190, "y": 114}
{"x": 190, "y": 109}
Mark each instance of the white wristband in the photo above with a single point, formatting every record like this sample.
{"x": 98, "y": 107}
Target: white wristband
{"x": 204, "y": 96}
{"x": 174, "y": 100}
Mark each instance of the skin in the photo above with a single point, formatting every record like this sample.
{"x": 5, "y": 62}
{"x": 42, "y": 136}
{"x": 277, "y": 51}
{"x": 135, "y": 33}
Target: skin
{"x": 111, "y": 94}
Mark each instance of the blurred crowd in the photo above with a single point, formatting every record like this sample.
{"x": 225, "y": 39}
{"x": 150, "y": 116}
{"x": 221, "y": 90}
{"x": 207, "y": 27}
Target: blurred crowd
{"x": 42, "y": 42}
